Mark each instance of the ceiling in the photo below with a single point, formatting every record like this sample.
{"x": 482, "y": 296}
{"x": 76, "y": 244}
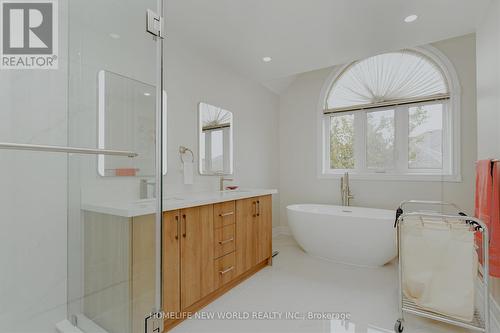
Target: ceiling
{"x": 303, "y": 35}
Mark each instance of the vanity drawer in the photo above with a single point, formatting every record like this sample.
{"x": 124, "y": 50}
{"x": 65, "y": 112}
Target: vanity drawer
{"x": 224, "y": 214}
{"x": 225, "y": 269}
{"x": 225, "y": 239}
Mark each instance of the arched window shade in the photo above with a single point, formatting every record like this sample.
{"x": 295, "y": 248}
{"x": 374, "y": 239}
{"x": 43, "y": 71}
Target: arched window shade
{"x": 388, "y": 79}
{"x": 214, "y": 117}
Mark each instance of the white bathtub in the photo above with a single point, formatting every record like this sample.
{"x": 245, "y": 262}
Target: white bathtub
{"x": 349, "y": 235}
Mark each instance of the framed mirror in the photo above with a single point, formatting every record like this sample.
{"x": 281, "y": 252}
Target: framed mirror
{"x": 215, "y": 132}
{"x": 127, "y": 121}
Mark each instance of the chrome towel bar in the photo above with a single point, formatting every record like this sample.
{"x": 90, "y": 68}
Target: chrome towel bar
{"x": 62, "y": 149}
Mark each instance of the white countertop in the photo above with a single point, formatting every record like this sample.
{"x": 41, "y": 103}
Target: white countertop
{"x": 178, "y": 201}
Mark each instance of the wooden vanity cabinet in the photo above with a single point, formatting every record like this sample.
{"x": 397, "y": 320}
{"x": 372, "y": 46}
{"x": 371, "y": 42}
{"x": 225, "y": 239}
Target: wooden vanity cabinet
{"x": 209, "y": 249}
{"x": 264, "y": 229}
{"x": 188, "y": 253}
{"x": 253, "y": 232}
{"x": 206, "y": 251}
{"x": 171, "y": 263}
{"x": 197, "y": 254}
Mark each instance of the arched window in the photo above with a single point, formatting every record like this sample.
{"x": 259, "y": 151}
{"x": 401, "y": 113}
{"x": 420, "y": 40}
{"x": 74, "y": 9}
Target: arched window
{"x": 391, "y": 114}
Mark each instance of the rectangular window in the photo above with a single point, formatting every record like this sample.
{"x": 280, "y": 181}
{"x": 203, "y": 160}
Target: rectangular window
{"x": 406, "y": 140}
{"x": 380, "y": 139}
{"x": 342, "y": 142}
{"x": 216, "y": 150}
{"x": 425, "y": 141}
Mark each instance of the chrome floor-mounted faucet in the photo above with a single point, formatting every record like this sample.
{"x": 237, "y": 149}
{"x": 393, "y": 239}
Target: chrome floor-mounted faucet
{"x": 345, "y": 191}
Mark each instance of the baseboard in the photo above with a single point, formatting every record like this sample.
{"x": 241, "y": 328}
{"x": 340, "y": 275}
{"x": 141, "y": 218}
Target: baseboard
{"x": 281, "y": 231}
{"x": 494, "y": 308}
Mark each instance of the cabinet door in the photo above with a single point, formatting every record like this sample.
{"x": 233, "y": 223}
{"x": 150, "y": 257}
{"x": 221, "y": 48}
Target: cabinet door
{"x": 197, "y": 254}
{"x": 171, "y": 263}
{"x": 246, "y": 227}
{"x": 264, "y": 228}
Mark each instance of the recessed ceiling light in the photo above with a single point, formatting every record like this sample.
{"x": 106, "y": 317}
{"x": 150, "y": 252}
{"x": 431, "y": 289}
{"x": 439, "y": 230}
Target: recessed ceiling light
{"x": 114, "y": 36}
{"x": 411, "y": 18}
{"x": 267, "y": 59}
{"x": 147, "y": 94}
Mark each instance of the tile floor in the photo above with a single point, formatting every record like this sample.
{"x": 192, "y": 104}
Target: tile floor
{"x": 300, "y": 283}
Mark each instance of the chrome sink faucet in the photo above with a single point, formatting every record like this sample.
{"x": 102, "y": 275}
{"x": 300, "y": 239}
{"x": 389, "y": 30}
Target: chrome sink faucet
{"x": 221, "y": 182}
{"x": 144, "y": 192}
{"x": 345, "y": 191}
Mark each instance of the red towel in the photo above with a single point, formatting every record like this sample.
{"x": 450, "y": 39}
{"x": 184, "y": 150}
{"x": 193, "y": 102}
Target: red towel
{"x": 487, "y": 208}
{"x": 484, "y": 184}
{"x": 494, "y": 226}
{"x": 125, "y": 172}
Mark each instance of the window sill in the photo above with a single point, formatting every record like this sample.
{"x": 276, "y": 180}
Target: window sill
{"x": 413, "y": 177}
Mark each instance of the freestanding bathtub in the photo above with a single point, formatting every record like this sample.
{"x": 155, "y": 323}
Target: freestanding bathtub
{"x": 349, "y": 235}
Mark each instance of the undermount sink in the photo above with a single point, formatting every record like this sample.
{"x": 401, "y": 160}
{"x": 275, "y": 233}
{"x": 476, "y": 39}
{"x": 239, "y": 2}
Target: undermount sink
{"x": 144, "y": 201}
{"x": 152, "y": 200}
{"x": 232, "y": 191}
{"x": 174, "y": 199}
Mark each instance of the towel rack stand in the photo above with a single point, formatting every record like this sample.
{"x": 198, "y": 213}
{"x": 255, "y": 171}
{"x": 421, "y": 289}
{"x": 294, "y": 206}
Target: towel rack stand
{"x": 479, "y": 323}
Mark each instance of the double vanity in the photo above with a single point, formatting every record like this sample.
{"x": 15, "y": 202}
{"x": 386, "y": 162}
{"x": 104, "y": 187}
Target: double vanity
{"x": 211, "y": 242}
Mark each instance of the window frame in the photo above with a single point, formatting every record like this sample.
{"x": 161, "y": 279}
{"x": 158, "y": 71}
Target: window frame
{"x": 451, "y": 132}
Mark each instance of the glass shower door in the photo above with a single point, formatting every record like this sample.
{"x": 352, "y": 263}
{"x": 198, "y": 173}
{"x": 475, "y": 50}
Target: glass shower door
{"x": 114, "y": 202}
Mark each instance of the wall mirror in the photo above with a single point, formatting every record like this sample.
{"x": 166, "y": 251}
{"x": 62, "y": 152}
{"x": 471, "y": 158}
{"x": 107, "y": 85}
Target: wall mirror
{"x": 215, "y": 140}
{"x": 127, "y": 121}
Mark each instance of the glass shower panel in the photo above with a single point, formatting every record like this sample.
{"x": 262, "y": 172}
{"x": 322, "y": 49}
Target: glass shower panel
{"x": 114, "y": 80}
{"x": 33, "y": 200}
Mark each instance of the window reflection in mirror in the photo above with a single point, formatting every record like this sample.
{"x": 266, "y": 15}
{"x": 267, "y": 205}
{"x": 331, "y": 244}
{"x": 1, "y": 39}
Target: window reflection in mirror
{"x": 216, "y": 140}
{"x": 127, "y": 121}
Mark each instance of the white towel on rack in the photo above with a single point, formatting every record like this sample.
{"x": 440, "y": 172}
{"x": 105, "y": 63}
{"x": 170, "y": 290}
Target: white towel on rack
{"x": 440, "y": 267}
{"x": 188, "y": 168}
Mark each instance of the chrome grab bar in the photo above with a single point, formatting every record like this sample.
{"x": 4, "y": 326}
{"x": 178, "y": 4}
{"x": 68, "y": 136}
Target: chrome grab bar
{"x": 62, "y": 149}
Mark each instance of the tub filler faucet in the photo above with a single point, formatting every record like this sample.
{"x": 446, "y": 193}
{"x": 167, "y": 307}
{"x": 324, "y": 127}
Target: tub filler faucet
{"x": 345, "y": 191}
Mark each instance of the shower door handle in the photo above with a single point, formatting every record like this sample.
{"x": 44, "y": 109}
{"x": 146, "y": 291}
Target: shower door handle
{"x": 63, "y": 149}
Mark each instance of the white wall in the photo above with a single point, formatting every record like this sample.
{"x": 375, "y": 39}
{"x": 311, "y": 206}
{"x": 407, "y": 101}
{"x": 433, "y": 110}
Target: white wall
{"x": 33, "y": 109}
{"x": 488, "y": 84}
{"x": 488, "y": 92}
{"x": 192, "y": 78}
{"x": 299, "y": 182}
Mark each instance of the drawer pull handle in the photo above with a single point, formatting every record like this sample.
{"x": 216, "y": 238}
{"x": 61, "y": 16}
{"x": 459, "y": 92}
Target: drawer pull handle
{"x": 226, "y": 214}
{"x": 177, "y": 221}
{"x": 226, "y": 241}
{"x": 226, "y": 270}
{"x": 185, "y": 231}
